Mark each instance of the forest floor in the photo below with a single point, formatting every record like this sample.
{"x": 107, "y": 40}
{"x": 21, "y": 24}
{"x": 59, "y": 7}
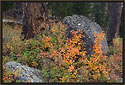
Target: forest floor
{"x": 15, "y": 46}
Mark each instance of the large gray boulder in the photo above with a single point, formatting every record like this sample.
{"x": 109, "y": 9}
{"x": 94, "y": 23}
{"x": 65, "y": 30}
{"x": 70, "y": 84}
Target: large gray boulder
{"x": 88, "y": 27}
{"x": 27, "y": 74}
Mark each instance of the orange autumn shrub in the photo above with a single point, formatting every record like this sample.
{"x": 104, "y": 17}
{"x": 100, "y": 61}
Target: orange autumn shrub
{"x": 97, "y": 62}
{"x": 64, "y": 59}
{"x": 71, "y": 55}
{"x": 70, "y": 58}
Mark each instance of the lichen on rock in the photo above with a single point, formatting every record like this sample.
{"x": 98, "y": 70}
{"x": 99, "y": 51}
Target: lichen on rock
{"x": 27, "y": 74}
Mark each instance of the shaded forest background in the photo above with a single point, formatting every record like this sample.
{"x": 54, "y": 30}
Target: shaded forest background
{"x": 96, "y": 11}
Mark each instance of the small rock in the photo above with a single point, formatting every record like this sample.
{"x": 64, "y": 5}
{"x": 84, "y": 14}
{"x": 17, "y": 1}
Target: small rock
{"x": 27, "y": 74}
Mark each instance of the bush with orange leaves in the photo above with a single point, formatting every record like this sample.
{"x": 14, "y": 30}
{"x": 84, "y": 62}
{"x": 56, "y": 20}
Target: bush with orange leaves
{"x": 64, "y": 59}
{"x": 69, "y": 57}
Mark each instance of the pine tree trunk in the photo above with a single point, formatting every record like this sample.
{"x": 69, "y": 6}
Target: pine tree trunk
{"x": 114, "y": 12}
{"x": 33, "y": 15}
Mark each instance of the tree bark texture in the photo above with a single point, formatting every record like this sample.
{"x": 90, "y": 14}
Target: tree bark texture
{"x": 114, "y": 12}
{"x": 34, "y": 14}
